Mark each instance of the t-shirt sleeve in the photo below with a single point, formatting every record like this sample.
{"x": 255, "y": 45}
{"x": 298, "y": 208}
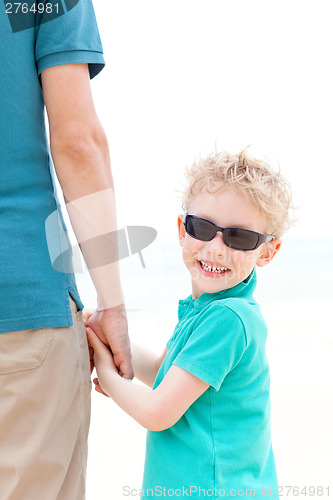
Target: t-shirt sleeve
{"x": 215, "y": 346}
{"x": 72, "y": 37}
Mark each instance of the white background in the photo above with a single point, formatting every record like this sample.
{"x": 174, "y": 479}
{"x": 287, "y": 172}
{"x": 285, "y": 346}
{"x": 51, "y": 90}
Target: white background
{"x": 183, "y": 78}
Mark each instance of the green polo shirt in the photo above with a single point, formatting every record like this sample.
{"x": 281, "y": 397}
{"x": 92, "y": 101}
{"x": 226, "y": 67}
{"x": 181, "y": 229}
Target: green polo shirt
{"x": 223, "y": 441}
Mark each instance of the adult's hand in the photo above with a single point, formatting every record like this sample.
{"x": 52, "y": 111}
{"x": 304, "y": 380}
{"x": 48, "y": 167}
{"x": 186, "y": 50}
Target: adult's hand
{"x": 110, "y": 325}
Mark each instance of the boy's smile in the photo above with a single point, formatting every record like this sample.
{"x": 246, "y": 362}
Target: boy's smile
{"x": 210, "y": 268}
{"x": 214, "y": 266}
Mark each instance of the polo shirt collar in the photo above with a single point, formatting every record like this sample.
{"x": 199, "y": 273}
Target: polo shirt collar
{"x": 243, "y": 289}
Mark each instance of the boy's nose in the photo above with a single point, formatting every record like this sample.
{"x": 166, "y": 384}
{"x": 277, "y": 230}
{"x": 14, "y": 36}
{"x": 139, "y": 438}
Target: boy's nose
{"x": 217, "y": 244}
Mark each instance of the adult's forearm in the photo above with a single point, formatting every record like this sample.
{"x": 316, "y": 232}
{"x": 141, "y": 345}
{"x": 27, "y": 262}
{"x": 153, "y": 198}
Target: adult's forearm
{"x": 83, "y": 169}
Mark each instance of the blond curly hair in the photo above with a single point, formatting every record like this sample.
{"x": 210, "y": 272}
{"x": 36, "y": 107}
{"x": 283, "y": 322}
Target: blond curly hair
{"x": 252, "y": 177}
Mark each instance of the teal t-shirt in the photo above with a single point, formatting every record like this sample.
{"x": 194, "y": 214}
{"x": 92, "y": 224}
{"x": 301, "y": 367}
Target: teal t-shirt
{"x": 32, "y": 293}
{"x": 223, "y": 442}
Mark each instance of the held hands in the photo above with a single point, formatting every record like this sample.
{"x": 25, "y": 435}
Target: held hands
{"x": 101, "y": 357}
{"x": 110, "y": 326}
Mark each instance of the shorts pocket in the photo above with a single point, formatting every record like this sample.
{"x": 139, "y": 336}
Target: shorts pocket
{"x": 24, "y": 350}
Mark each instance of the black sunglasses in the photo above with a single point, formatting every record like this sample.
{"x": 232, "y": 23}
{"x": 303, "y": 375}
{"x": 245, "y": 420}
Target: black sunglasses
{"x": 233, "y": 237}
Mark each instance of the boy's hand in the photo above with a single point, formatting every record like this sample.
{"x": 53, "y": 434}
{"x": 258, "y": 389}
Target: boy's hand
{"x": 102, "y": 354}
{"x": 102, "y": 359}
{"x": 98, "y": 388}
{"x": 86, "y": 316}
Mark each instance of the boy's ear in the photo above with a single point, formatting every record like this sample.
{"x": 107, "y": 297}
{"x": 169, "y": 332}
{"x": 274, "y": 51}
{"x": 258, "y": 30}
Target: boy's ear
{"x": 181, "y": 230}
{"x": 269, "y": 251}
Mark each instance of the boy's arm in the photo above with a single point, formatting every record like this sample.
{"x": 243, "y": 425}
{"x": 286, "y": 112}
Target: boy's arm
{"x": 146, "y": 363}
{"x": 156, "y": 409}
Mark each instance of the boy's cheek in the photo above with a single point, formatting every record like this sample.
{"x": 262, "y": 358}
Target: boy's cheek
{"x": 246, "y": 259}
{"x": 190, "y": 248}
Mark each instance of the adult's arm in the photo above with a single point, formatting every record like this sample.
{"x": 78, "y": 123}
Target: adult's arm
{"x": 80, "y": 153}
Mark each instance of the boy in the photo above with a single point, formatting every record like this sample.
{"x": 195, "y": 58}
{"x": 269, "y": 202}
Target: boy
{"x": 208, "y": 415}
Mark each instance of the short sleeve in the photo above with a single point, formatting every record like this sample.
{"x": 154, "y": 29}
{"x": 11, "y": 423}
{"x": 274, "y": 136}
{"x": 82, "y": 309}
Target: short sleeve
{"x": 215, "y": 345}
{"x": 72, "y": 37}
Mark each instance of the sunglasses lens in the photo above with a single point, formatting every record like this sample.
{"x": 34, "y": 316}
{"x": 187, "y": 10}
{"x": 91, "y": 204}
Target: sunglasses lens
{"x": 200, "y": 228}
{"x": 240, "y": 239}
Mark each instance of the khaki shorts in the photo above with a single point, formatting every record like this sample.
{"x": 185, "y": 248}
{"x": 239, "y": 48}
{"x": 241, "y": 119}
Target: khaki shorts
{"x": 44, "y": 412}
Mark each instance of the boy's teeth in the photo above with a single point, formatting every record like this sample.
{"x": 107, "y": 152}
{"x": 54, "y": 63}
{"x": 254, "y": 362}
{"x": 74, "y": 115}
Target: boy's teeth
{"x": 211, "y": 269}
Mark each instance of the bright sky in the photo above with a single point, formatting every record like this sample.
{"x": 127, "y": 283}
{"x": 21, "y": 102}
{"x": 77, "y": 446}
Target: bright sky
{"x": 184, "y": 76}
